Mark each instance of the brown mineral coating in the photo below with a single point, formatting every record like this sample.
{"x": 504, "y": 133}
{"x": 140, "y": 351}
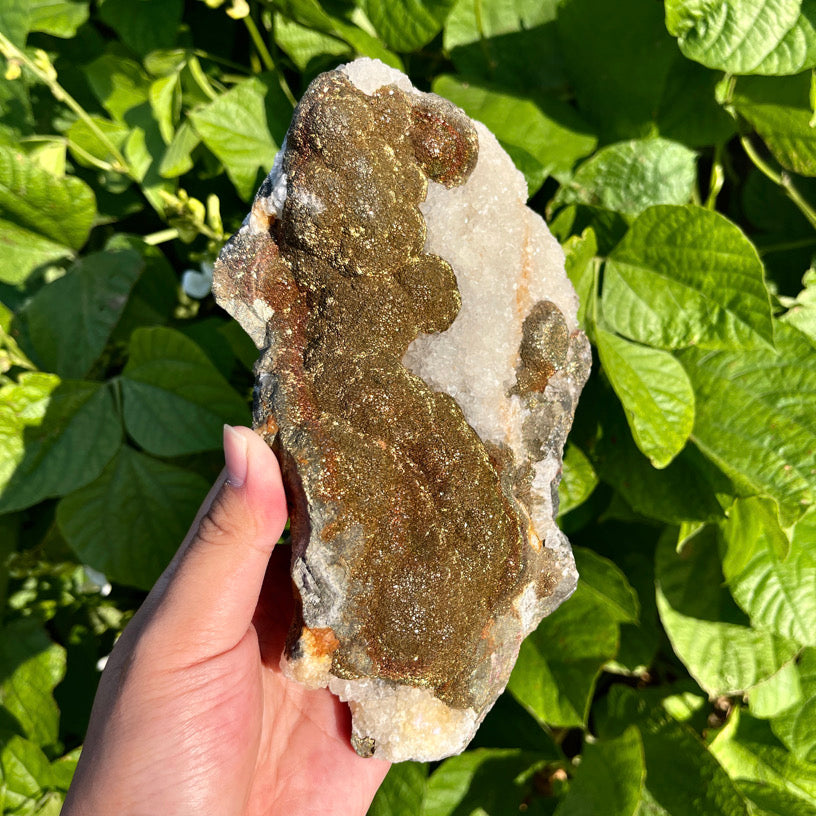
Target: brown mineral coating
{"x": 408, "y": 469}
{"x": 438, "y": 537}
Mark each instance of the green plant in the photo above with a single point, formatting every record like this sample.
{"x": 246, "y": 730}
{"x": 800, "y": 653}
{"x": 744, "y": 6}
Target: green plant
{"x": 672, "y": 150}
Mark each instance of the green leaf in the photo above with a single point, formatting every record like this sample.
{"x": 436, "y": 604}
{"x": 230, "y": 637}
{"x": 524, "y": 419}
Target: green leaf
{"x": 25, "y": 773}
{"x": 61, "y": 435}
{"x": 60, "y": 18}
{"x": 559, "y": 663}
{"x": 618, "y": 68}
{"x": 689, "y": 111}
{"x": 796, "y": 726}
{"x": 244, "y": 128}
{"x": 680, "y": 492}
{"x": 629, "y": 177}
{"x": 707, "y": 630}
{"x": 485, "y": 781}
{"x": 14, "y": 21}
{"x": 86, "y": 146}
{"x": 60, "y": 209}
{"x": 175, "y": 400}
{"x": 780, "y": 112}
{"x": 779, "y": 692}
{"x": 66, "y": 325}
{"x": 24, "y": 251}
{"x": 609, "y": 779}
{"x": 130, "y": 521}
{"x": 760, "y": 764}
{"x": 402, "y": 791}
{"x": 655, "y": 393}
{"x": 741, "y": 38}
{"x": 681, "y": 775}
{"x": 547, "y": 130}
{"x": 119, "y": 83}
{"x": 514, "y": 45}
{"x": 775, "y": 587}
{"x": 31, "y": 666}
{"x": 578, "y": 480}
{"x": 756, "y": 417}
{"x": 407, "y": 25}
{"x": 304, "y": 45}
{"x": 582, "y": 267}
{"x": 607, "y": 585}
{"x": 797, "y": 49}
{"x": 144, "y": 25}
{"x": 686, "y": 276}
{"x": 802, "y": 312}
{"x": 177, "y": 159}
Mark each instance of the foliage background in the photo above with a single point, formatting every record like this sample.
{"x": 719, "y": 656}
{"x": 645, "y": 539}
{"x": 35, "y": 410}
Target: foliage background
{"x": 672, "y": 148}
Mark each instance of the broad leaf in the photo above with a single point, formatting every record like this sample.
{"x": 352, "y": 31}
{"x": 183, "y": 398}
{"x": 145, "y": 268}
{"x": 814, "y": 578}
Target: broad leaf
{"x": 59, "y": 209}
{"x": 796, "y": 726}
{"x": 775, "y": 587}
{"x": 175, "y": 401}
{"x": 407, "y": 25}
{"x": 494, "y": 781}
{"x": 761, "y": 766}
{"x": 802, "y": 312}
{"x": 603, "y": 581}
{"x": 780, "y": 111}
{"x": 609, "y": 779}
{"x": 797, "y": 49}
{"x": 244, "y": 128}
{"x": 577, "y": 481}
{"x": 734, "y": 37}
{"x": 26, "y": 774}
{"x": 559, "y": 663}
{"x": 155, "y": 503}
{"x": 402, "y": 791}
{"x": 60, "y": 435}
{"x": 680, "y": 492}
{"x": 655, "y": 393}
{"x": 686, "y": 276}
{"x": 119, "y": 83}
{"x": 681, "y": 775}
{"x": 24, "y": 251}
{"x": 66, "y": 325}
{"x": 303, "y": 45}
{"x": 581, "y": 267}
{"x": 707, "y": 630}
{"x": 629, "y": 177}
{"x": 144, "y": 26}
{"x": 514, "y": 45}
{"x": 546, "y": 130}
{"x": 779, "y": 692}
{"x": 617, "y": 63}
{"x": 31, "y": 665}
{"x": 60, "y": 18}
{"x": 756, "y": 416}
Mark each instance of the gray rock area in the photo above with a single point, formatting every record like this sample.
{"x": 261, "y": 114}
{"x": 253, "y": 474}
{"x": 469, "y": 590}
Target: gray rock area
{"x": 420, "y": 363}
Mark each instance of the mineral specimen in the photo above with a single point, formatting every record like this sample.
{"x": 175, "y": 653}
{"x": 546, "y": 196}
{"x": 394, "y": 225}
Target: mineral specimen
{"x": 420, "y": 367}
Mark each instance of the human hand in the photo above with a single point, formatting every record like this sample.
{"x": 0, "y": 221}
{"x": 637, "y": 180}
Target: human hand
{"x": 193, "y": 715}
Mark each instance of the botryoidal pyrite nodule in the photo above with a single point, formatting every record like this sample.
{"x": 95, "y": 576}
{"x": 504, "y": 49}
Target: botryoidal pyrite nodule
{"x": 420, "y": 366}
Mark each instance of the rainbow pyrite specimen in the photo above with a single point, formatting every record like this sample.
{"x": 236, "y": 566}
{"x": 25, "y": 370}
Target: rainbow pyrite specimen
{"x": 420, "y": 366}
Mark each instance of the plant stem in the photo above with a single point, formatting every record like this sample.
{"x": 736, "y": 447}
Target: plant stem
{"x": 782, "y": 179}
{"x": 716, "y": 180}
{"x": 266, "y": 57}
{"x": 10, "y": 51}
{"x": 802, "y": 243}
{"x": 161, "y": 237}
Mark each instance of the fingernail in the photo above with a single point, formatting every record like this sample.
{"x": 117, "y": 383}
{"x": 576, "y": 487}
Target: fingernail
{"x": 235, "y": 456}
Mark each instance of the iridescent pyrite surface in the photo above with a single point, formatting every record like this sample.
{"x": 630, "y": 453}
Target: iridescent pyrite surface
{"x": 420, "y": 364}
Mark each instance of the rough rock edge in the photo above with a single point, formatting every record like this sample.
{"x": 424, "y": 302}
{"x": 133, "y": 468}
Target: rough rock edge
{"x": 427, "y": 729}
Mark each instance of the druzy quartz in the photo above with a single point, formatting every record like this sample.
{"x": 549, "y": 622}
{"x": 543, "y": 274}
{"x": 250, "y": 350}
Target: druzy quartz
{"x": 420, "y": 366}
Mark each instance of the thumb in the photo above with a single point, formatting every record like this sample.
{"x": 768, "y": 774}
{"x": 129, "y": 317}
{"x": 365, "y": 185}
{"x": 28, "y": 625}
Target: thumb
{"x": 210, "y": 592}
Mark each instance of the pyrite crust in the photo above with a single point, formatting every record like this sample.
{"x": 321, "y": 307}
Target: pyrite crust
{"x": 420, "y": 366}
